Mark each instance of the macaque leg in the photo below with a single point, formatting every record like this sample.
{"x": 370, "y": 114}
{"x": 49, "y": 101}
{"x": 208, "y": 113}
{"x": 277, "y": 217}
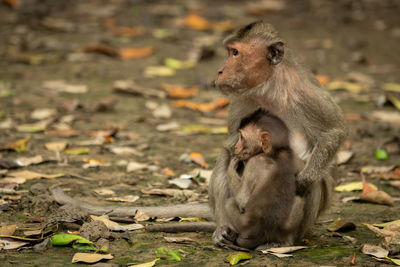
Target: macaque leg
{"x": 218, "y": 194}
{"x": 248, "y": 230}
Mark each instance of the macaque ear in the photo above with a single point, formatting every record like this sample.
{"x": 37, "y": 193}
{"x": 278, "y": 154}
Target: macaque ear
{"x": 266, "y": 142}
{"x": 239, "y": 144}
{"x": 275, "y": 52}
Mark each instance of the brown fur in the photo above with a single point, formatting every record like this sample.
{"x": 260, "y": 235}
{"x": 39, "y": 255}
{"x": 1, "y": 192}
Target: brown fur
{"x": 285, "y": 89}
{"x": 263, "y": 187}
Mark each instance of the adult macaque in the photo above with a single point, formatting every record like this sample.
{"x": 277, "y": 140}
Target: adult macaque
{"x": 260, "y": 73}
{"x": 261, "y": 178}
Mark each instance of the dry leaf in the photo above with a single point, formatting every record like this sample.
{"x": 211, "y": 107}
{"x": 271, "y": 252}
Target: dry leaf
{"x": 323, "y": 79}
{"x": 182, "y": 240}
{"x": 377, "y": 169}
{"x": 125, "y": 151}
{"x": 28, "y": 175}
{"x": 170, "y": 192}
{"x": 56, "y": 146}
{"x": 339, "y": 225}
{"x": 9, "y": 243}
{"x": 17, "y": 146}
{"x": 77, "y": 150}
{"x": 375, "y": 251}
{"x": 386, "y": 116}
{"x": 392, "y": 87}
{"x": 131, "y": 53}
{"x": 348, "y": 86}
{"x": 181, "y": 183}
{"x": 126, "y": 227}
{"x": 393, "y": 175}
{"x": 128, "y": 31}
{"x": 43, "y": 113}
{"x": 166, "y": 127}
{"x": 281, "y": 251}
{"x": 177, "y": 91}
{"x": 90, "y": 258}
{"x": 203, "y": 107}
{"x": 13, "y": 3}
{"x": 136, "y": 166}
{"x": 163, "y": 112}
{"x": 344, "y": 156}
{"x": 366, "y": 187}
{"x": 353, "y": 186}
{"x": 395, "y": 184}
{"x": 194, "y": 21}
{"x": 101, "y": 49}
{"x": 8, "y": 229}
{"x": 146, "y": 264}
{"x": 131, "y": 87}
{"x": 378, "y": 197}
{"x": 263, "y": 7}
{"x": 105, "y": 220}
{"x": 29, "y": 161}
{"x": 63, "y": 133}
{"x": 162, "y": 71}
{"x": 127, "y": 198}
{"x": 63, "y": 86}
{"x": 198, "y": 159}
{"x": 168, "y": 172}
{"x": 104, "y": 192}
{"x": 140, "y": 216}
{"x": 177, "y": 64}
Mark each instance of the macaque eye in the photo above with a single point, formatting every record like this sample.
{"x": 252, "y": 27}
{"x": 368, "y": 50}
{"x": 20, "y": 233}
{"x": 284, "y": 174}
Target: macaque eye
{"x": 235, "y": 52}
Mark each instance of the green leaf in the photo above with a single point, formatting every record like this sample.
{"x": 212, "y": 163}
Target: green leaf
{"x": 168, "y": 254}
{"x": 235, "y": 258}
{"x": 7, "y": 93}
{"x": 84, "y": 246}
{"x": 31, "y": 128}
{"x": 77, "y": 151}
{"x": 381, "y": 154}
{"x": 66, "y": 239}
{"x": 178, "y": 64}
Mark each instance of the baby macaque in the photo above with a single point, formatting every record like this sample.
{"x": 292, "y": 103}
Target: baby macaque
{"x": 261, "y": 179}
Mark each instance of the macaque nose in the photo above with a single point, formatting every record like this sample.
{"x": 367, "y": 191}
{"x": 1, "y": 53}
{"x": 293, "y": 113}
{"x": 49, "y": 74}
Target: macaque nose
{"x": 219, "y": 72}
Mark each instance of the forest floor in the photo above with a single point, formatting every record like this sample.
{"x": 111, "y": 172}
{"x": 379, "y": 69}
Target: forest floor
{"x": 59, "y": 98}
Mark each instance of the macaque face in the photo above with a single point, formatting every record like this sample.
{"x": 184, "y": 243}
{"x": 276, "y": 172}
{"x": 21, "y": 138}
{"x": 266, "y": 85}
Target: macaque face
{"x": 249, "y": 143}
{"x": 246, "y": 67}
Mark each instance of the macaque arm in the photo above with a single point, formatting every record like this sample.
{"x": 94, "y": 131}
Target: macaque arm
{"x": 234, "y": 180}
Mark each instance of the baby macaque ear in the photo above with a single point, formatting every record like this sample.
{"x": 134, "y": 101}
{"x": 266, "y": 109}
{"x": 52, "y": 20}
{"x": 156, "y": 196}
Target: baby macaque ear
{"x": 239, "y": 144}
{"x": 275, "y": 52}
{"x": 266, "y": 142}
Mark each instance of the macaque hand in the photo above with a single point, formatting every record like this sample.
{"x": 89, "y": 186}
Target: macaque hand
{"x": 303, "y": 183}
{"x": 223, "y": 236}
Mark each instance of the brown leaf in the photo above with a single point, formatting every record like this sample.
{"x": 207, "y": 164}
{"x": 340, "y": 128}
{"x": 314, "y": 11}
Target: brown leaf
{"x": 90, "y": 258}
{"x": 128, "y": 31}
{"x": 341, "y": 226}
{"x": 393, "y": 175}
{"x": 181, "y": 240}
{"x": 56, "y": 146}
{"x": 17, "y": 146}
{"x": 13, "y": 3}
{"x": 378, "y": 197}
{"x": 63, "y": 133}
{"x": 199, "y": 159}
{"x": 375, "y": 251}
{"x": 131, "y": 53}
{"x": 8, "y": 229}
{"x": 102, "y": 49}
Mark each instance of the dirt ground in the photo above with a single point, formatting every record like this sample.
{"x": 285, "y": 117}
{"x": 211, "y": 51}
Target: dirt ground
{"x": 42, "y": 41}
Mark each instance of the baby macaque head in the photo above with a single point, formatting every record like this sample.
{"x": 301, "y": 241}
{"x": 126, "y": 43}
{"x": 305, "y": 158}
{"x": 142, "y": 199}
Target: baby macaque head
{"x": 252, "y": 141}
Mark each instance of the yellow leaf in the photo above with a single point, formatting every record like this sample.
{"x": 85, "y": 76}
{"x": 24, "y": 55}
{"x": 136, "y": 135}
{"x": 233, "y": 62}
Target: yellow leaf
{"x": 348, "y": 86}
{"x": 147, "y": 264}
{"x": 203, "y": 107}
{"x": 130, "y": 53}
{"x": 353, "y": 186}
{"x": 34, "y": 175}
{"x": 162, "y": 71}
{"x": 395, "y": 101}
{"x": 395, "y": 261}
{"x": 19, "y": 145}
{"x": 192, "y": 219}
{"x": 77, "y": 151}
{"x": 385, "y": 224}
{"x": 393, "y": 87}
{"x": 179, "y": 64}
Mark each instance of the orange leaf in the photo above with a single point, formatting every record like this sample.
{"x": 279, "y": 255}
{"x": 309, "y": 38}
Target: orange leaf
{"x": 177, "y": 91}
{"x": 13, "y": 3}
{"x": 168, "y": 172}
{"x": 193, "y": 20}
{"x": 203, "y": 107}
{"x": 199, "y": 159}
{"x": 322, "y": 79}
{"x": 353, "y": 117}
{"x": 127, "y": 31}
{"x": 129, "y": 53}
{"x": 366, "y": 187}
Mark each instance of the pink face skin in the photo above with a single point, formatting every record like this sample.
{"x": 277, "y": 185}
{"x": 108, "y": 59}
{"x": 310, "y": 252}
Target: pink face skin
{"x": 246, "y": 67}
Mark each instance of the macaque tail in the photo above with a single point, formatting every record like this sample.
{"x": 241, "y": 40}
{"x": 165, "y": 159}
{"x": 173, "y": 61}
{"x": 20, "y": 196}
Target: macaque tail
{"x": 182, "y": 227}
{"x": 180, "y": 210}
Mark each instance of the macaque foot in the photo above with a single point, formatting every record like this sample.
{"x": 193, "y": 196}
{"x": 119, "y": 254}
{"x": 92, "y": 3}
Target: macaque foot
{"x": 272, "y": 245}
